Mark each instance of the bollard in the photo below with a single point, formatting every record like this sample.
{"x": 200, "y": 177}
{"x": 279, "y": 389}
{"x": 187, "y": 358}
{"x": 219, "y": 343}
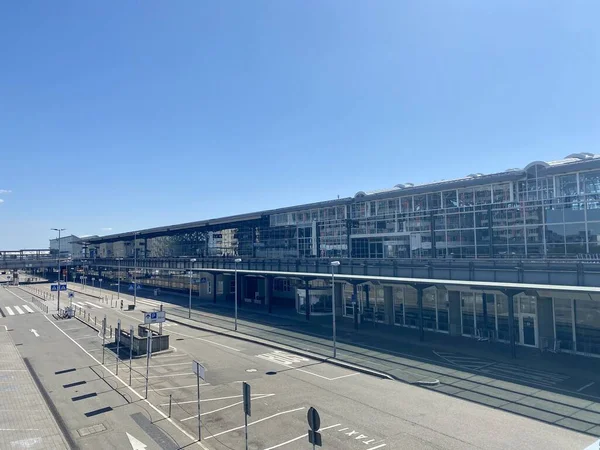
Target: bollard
{"x": 111, "y": 331}
{"x": 94, "y": 320}
{"x": 170, "y": 398}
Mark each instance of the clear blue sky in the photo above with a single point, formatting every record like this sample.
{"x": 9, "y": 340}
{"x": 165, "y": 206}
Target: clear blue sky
{"x": 130, "y": 114}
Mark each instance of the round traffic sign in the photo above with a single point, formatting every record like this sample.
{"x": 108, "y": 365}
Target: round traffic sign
{"x": 314, "y": 421}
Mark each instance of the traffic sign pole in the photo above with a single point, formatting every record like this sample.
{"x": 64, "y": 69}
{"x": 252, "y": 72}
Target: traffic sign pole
{"x": 246, "y": 394}
{"x": 149, "y": 350}
{"x": 130, "y": 350}
{"x": 118, "y": 343}
{"x": 199, "y": 421}
{"x": 103, "y": 336}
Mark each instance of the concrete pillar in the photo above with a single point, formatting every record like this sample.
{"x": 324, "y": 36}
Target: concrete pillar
{"x": 214, "y": 288}
{"x": 511, "y": 324}
{"x": 545, "y": 319}
{"x": 241, "y": 289}
{"x": 420, "y": 304}
{"x": 339, "y": 292}
{"x": 268, "y": 281}
{"x": 307, "y": 298}
{"x": 454, "y": 313}
{"x": 388, "y": 302}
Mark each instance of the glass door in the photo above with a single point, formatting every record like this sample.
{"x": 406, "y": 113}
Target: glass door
{"x": 528, "y": 329}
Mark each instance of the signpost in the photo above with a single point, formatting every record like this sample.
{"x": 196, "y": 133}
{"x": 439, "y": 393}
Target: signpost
{"x": 130, "y": 350}
{"x": 103, "y": 336}
{"x": 118, "y": 343}
{"x": 314, "y": 422}
{"x": 100, "y": 282}
{"x": 200, "y": 371}
{"x": 246, "y": 390}
{"x": 154, "y": 317}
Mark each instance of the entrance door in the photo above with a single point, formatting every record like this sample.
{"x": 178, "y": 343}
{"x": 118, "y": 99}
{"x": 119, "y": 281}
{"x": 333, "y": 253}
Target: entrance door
{"x": 528, "y": 329}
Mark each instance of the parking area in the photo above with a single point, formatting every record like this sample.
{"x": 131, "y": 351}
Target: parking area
{"x": 357, "y": 411}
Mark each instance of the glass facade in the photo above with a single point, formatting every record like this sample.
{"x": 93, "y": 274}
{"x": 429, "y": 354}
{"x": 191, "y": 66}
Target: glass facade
{"x": 534, "y": 213}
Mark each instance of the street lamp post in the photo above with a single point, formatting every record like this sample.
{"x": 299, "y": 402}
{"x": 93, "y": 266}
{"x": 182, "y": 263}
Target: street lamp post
{"x": 100, "y": 283}
{"x": 236, "y": 261}
{"x": 58, "y": 277}
{"x": 333, "y": 264}
{"x": 134, "y": 269}
{"x": 193, "y": 260}
{"x": 119, "y": 278}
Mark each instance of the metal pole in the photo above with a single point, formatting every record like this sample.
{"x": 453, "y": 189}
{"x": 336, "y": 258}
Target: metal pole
{"x": 103, "y": 336}
{"x": 100, "y": 281}
{"x": 246, "y": 428}
{"x": 135, "y": 269}
{"x": 190, "y": 301}
{"x": 236, "y": 296}
{"x": 199, "y": 422}
{"x": 149, "y": 341}
{"x": 333, "y": 309}
{"x": 130, "y": 350}
{"x": 118, "y": 278}
{"x": 170, "y": 400}
{"x": 118, "y": 343}
{"x": 160, "y": 323}
{"x": 58, "y": 278}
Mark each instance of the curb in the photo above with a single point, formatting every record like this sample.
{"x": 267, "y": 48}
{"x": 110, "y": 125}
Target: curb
{"x": 247, "y": 338}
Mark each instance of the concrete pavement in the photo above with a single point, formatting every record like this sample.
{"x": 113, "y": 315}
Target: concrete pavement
{"x": 363, "y": 412}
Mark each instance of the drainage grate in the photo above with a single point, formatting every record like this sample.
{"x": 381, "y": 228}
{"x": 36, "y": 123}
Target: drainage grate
{"x": 91, "y": 430}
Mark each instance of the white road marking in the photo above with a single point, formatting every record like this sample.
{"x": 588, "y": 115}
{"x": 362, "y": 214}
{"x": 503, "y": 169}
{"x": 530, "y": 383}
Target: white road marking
{"x": 28, "y": 309}
{"x": 326, "y": 378}
{"x": 9, "y": 311}
{"x": 19, "y": 310}
{"x": 35, "y": 333}
{"x": 224, "y": 407}
{"x": 78, "y": 304}
{"x": 283, "y": 358}
{"x": 206, "y": 340}
{"x": 172, "y": 375}
{"x": 377, "y": 446}
{"x": 585, "y": 387}
{"x": 85, "y": 337}
{"x": 255, "y": 422}
{"x": 300, "y": 437}
{"x": 168, "y": 419}
{"x": 181, "y": 387}
{"x": 216, "y": 399}
{"x": 174, "y": 364}
{"x": 95, "y": 306}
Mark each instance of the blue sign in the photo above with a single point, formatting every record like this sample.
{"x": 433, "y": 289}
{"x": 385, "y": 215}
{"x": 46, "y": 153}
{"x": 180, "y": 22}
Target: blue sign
{"x": 131, "y": 287}
{"x": 54, "y": 287}
{"x": 71, "y": 295}
{"x": 202, "y": 280}
{"x": 153, "y": 316}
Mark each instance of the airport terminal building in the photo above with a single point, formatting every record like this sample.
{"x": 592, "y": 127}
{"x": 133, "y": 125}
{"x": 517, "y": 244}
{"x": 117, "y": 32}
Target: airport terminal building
{"x": 546, "y": 211}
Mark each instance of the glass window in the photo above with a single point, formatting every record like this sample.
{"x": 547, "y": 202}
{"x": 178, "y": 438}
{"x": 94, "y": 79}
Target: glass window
{"x": 567, "y": 185}
{"x": 555, "y": 234}
{"x": 483, "y": 195}
{"x": 467, "y": 220}
{"x": 501, "y": 193}
{"x": 465, "y": 197}
{"x": 429, "y": 309}
{"x": 450, "y": 200}
{"x": 563, "y": 320}
{"x": 589, "y": 182}
{"x": 574, "y": 212}
{"x": 587, "y": 326}
{"x": 411, "y": 307}
{"x": 452, "y": 221}
{"x": 575, "y": 232}
{"x": 443, "y": 308}
{"x": 434, "y": 200}
{"x": 467, "y": 311}
{"x": 420, "y": 203}
{"x": 406, "y": 204}
{"x": 482, "y": 219}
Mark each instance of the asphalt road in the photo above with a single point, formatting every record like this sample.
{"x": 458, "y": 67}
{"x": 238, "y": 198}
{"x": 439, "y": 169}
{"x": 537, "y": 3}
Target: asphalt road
{"x": 358, "y": 412}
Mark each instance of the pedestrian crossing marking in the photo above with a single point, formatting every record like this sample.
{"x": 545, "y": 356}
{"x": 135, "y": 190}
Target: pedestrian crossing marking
{"x": 504, "y": 370}
{"x": 283, "y": 358}
{"x": 95, "y": 306}
{"x": 78, "y": 304}
{"x": 17, "y": 309}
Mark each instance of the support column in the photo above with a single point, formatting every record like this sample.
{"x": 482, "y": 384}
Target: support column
{"x": 419, "y": 289}
{"x": 485, "y": 314}
{"x": 307, "y": 299}
{"x": 545, "y": 321}
{"x": 214, "y": 288}
{"x": 355, "y": 308}
{"x": 366, "y": 289}
{"x": 388, "y": 302}
{"x": 511, "y": 323}
{"x": 241, "y": 289}
{"x": 454, "y": 313}
{"x": 268, "y": 280}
